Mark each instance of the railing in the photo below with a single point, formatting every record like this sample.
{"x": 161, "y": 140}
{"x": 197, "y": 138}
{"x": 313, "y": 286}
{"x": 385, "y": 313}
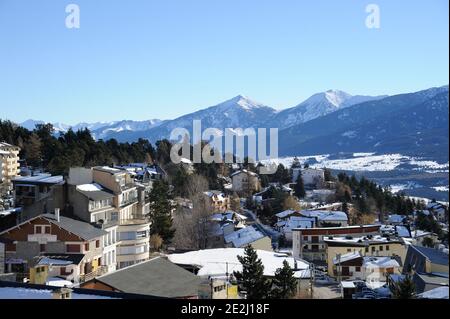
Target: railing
{"x": 100, "y": 271}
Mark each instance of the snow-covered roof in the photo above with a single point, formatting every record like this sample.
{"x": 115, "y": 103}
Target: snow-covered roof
{"x": 299, "y": 222}
{"x": 402, "y": 231}
{"x": 380, "y": 262}
{"x": 213, "y": 262}
{"x": 325, "y": 215}
{"x": 93, "y": 187}
{"x": 346, "y": 257}
{"x": 244, "y": 236}
{"x": 243, "y": 171}
{"x": 285, "y": 213}
{"x": 436, "y": 293}
{"x": 348, "y": 284}
{"x": 58, "y": 282}
{"x": 40, "y": 179}
{"x": 395, "y": 218}
{"x": 29, "y": 293}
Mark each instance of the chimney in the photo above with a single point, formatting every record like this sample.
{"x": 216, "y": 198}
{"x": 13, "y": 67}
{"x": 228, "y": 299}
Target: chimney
{"x": 57, "y": 214}
{"x": 62, "y": 293}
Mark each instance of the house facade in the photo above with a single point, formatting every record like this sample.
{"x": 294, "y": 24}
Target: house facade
{"x": 9, "y": 166}
{"x": 365, "y": 246}
{"x": 309, "y": 243}
{"x": 112, "y": 198}
{"x": 52, "y": 234}
{"x": 39, "y": 194}
{"x": 244, "y": 181}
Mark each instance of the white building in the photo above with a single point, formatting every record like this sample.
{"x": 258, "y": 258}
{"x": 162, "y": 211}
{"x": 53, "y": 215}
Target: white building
{"x": 311, "y": 176}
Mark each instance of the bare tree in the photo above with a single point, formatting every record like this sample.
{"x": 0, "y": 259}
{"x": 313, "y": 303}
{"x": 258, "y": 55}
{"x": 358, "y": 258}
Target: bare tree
{"x": 194, "y": 225}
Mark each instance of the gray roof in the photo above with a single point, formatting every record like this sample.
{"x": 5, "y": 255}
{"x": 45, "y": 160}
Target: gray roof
{"x": 433, "y": 280}
{"x": 155, "y": 277}
{"x": 79, "y": 228}
{"x": 434, "y": 255}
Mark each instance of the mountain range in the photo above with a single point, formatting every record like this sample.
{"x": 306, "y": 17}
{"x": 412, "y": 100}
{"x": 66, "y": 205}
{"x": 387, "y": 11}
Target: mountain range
{"x": 332, "y": 121}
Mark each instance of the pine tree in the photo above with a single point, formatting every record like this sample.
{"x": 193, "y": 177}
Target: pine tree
{"x": 251, "y": 279}
{"x": 160, "y": 211}
{"x": 285, "y": 284}
{"x": 299, "y": 187}
{"x": 405, "y": 289}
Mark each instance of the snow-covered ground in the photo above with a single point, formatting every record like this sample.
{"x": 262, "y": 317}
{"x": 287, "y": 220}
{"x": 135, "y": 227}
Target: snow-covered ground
{"x": 369, "y": 162}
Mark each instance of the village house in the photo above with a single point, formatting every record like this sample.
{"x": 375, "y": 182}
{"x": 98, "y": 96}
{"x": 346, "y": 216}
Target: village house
{"x": 248, "y": 236}
{"x": 9, "y": 166}
{"x": 155, "y": 277}
{"x": 39, "y": 194}
{"x": 325, "y": 218}
{"x": 218, "y": 200}
{"x": 440, "y": 211}
{"x": 365, "y": 246}
{"x": 312, "y": 177}
{"x": 309, "y": 243}
{"x": 223, "y": 262}
{"x": 373, "y": 270}
{"x": 55, "y": 234}
{"x": 428, "y": 266}
{"x": 245, "y": 181}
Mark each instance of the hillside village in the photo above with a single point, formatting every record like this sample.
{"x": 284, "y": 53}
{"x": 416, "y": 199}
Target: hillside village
{"x": 154, "y": 229}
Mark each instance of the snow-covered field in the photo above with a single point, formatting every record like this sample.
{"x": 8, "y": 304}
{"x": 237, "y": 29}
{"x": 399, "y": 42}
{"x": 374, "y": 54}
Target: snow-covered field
{"x": 369, "y": 162}
{"x": 372, "y": 164}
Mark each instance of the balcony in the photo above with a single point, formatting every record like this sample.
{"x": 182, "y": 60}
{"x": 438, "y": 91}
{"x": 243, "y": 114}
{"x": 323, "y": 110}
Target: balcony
{"x": 99, "y": 272}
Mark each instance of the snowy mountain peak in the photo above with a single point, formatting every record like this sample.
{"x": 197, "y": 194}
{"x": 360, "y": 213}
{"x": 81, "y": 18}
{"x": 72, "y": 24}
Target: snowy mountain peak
{"x": 242, "y": 102}
{"x": 337, "y": 97}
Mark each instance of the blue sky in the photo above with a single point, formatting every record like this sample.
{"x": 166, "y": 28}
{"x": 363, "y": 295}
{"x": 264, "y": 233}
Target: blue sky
{"x": 162, "y": 59}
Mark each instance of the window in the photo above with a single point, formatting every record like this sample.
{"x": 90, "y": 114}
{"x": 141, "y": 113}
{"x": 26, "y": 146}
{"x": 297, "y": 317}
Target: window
{"x": 141, "y": 234}
{"x": 86, "y": 247}
{"x": 381, "y": 248}
{"x": 349, "y": 250}
{"x": 367, "y": 249}
{"x": 373, "y": 249}
{"x": 72, "y": 248}
{"x": 357, "y": 269}
{"x": 47, "y": 229}
{"x": 42, "y": 247}
{"x": 305, "y": 238}
{"x": 38, "y": 230}
{"x": 387, "y": 247}
{"x": 97, "y": 243}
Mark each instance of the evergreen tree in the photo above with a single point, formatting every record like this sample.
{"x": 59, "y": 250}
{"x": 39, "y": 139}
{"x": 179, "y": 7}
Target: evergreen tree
{"x": 251, "y": 279}
{"x": 284, "y": 283}
{"x": 404, "y": 289}
{"x": 299, "y": 187}
{"x": 160, "y": 211}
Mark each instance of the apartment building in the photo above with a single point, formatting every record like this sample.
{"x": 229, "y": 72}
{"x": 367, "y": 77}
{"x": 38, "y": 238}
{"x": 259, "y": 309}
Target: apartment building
{"x": 365, "y": 246}
{"x": 9, "y": 166}
{"x": 309, "y": 244}
{"x": 58, "y": 238}
{"x": 244, "y": 181}
{"x": 39, "y": 194}
{"x": 111, "y": 197}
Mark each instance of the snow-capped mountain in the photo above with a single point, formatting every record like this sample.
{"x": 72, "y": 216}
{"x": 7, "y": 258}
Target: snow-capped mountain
{"x": 31, "y": 124}
{"x": 238, "y": 112}
{"x": 99, "y": 130}
{"x": 413, "y": 123}
{"x": 104, "y": 132}
{"x": 318, "y": 105}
